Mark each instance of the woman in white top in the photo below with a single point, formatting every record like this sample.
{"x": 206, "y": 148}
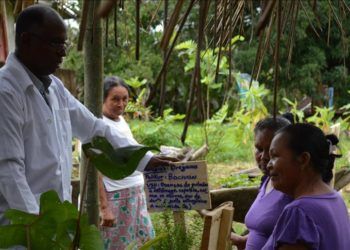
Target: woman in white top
{"x": 123, "y": 210}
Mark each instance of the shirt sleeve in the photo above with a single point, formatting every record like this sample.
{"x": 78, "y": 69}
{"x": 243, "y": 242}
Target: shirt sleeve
{"x": 294, "y": 226}
{"x": 85, "y": 126}
{"x": 13, "y": 183}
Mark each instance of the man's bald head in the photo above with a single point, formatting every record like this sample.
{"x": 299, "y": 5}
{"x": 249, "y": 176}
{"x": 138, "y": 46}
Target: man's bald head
{"x": 40, "y": 39}
{"x": 33, "y": 18}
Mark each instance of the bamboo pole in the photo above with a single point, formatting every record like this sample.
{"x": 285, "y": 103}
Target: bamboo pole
{"x": 93, "y": 70}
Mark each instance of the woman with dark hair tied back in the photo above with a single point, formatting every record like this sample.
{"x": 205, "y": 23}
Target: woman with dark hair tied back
{"x": 302, "y": 159}
{"x": 268, "y": 205}
{"x": 123, "y": 210}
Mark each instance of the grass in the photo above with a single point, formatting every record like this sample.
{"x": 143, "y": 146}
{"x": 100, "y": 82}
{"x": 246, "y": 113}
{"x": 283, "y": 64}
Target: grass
{"x": 223, "y": 148}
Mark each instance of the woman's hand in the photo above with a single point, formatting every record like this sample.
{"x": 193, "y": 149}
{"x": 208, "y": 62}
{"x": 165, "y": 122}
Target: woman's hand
{"x": 157, "y": 161}
{"x": 106, "y": 213}
{"x": 239, "y": 241}
{"x": 107, "y": 217}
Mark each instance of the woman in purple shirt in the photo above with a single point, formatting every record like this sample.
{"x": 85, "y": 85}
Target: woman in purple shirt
{"x": 263, "y": 214}
{"x": 301, "y": 164}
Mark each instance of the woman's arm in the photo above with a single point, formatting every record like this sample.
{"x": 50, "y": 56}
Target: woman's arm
{"x": 106, "y": 213}
{"x": 239, "y": 241}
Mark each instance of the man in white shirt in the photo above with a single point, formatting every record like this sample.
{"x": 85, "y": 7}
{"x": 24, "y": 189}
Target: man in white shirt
{"x": 39, "y": 117}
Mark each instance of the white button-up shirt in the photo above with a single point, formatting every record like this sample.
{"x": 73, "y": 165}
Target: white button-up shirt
{"x": 36, "y": 142}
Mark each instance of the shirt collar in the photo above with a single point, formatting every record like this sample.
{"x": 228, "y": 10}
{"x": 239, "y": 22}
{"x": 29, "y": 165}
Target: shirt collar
{"x": 42, "y": 83}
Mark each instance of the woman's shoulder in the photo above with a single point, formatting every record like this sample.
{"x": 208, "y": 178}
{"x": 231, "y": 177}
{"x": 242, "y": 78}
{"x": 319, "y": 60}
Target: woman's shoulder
{"x": 318, "y": 199}
{"x": 317, "y": 206}
{"x": 294, "y": 225}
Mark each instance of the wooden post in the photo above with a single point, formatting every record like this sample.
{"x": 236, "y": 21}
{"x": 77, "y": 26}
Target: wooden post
{"x": 179, "y": 219}
{"x": 217, "y": 228}
{"x": 93, "y": 70}
{"x": 224, "y": 241}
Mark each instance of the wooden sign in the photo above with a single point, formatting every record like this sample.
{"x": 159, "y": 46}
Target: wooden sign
{"x": 183, "y": 186}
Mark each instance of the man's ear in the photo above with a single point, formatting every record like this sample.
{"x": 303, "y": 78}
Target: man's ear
{"x": 25, "y": 38}
{"x": 304, "y": 159}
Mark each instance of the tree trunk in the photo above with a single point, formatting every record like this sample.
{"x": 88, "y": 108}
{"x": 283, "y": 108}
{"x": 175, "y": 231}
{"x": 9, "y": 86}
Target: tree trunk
{"x": 93, "y": 70}
{"x": 163, "y": 80}
{"x": 196, "y": 77}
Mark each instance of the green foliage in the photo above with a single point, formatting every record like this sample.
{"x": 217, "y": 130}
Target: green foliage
{"x": 315, "y": 61}
{"x": 298, "y": 115}
{"x": 144, "y": 132}
{"x": 176, "y": 238}
{"x": 346, "y": 110}
{"x": 168, "y": 118}
{"x": 253, "y": 100}
{"x": 209, "y": 60}
{"x": 344, "y": 145}
{"x": 120, "y": 59}
{"x": 151, "y": 244}
{"x": 138, "y": 108}
{"x": 240, "y": 180}
{"x": 219, "y": 116}
{"x": 114, "y": 163}
{"x": 135, "y": 83}
{"x": 54, "y": 227}
{"x": 161, "y": 132}
{"x": 212, "y": 84}
{"x": 252, "y": 109}
{"x": 215, "y": 131}
{"x": 225, "y": 151}
{"x": 323, "y": 118}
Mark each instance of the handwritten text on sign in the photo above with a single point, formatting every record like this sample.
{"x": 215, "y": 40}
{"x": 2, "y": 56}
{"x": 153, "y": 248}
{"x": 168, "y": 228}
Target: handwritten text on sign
{"x": 180, "y": 187}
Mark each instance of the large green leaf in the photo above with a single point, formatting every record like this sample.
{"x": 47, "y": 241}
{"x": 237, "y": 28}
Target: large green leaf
{"x": 54, "y": 228}
{"x": 12, "y": 235}
{"x": 114, "y": 163}
{"x": 90, "y": 238}
{"x": 48, "y": 201}
{"x": 20, "y": 217}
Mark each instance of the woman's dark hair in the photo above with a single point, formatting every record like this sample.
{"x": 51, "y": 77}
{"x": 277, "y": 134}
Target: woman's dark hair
{"x": 113, "y": 81}
{"x": 271, "y": 124}
{"x": 289, "y": 116}
{"x": 304, "y": 137}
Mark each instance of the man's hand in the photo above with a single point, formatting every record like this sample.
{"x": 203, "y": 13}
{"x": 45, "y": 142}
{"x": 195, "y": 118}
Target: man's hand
{"x": 157, "y": 161}
{"x": 107, "y": 217}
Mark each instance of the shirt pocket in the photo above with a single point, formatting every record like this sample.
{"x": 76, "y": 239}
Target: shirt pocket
{"x": 63, "y": 125}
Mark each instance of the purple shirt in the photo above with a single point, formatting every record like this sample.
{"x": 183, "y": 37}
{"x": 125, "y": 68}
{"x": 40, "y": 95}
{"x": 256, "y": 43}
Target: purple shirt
{"x": 262, "y": 216}
{"x": 320, "y": 221}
